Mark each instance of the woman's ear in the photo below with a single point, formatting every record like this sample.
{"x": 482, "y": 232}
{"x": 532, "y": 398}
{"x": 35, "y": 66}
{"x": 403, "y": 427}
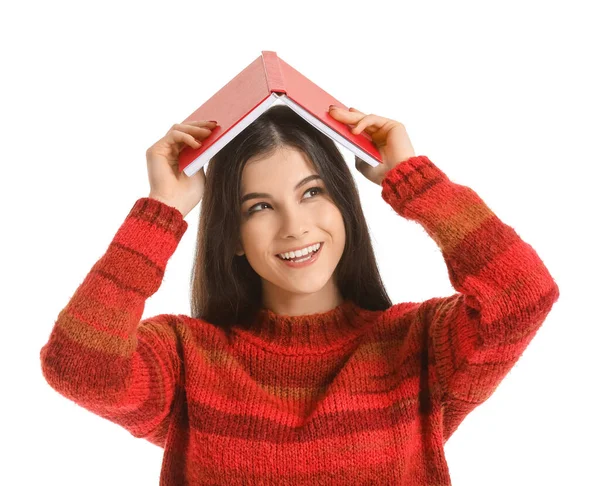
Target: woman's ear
{"x": 239, "y": 251}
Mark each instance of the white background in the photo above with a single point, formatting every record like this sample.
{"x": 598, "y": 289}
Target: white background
{"x": 503, "y": 97}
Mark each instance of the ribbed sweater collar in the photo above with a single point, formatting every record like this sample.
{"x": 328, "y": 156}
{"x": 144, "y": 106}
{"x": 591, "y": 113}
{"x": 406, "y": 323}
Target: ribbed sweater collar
{"x": 307, "y": 333}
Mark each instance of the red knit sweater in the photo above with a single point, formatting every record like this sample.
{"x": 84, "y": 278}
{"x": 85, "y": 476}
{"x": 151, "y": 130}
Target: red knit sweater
{"x": 349, "y": 396}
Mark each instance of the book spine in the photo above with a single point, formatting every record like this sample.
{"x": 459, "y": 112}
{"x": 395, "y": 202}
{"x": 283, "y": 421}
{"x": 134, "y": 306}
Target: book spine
{"x": 275, "y": 79}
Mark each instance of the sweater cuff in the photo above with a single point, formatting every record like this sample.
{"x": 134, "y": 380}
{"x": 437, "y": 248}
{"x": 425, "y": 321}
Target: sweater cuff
{"x": 152, "y": 229}
{"x": 409, "y": 179}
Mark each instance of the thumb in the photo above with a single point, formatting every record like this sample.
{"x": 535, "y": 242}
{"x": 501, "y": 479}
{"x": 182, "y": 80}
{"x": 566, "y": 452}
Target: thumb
{"x": 362, "y": 166}
{"x": 200, "y": 175}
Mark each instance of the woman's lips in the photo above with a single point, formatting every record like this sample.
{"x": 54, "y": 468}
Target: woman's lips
{"x": 313, "y": 257}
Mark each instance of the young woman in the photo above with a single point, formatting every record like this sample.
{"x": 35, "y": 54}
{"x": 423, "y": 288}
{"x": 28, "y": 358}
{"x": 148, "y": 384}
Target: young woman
{"x": 295, "y": 367}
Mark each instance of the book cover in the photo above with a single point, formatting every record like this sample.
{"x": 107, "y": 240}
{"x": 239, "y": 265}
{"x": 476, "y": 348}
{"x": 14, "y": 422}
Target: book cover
{"x": 266, "y": 81}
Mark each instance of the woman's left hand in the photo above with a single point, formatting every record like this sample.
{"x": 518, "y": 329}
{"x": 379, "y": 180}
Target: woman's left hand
{"x": 389, "y": 136}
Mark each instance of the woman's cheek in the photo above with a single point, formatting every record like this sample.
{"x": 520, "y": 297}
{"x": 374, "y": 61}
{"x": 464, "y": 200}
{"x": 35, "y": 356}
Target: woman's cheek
{"x": 258, "y": 234}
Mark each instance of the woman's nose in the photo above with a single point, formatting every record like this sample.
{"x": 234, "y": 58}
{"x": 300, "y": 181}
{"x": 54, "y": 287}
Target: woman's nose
{"x": 293, "y": 223}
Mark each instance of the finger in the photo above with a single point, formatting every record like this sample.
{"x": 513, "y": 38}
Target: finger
{"x": 356, "y": 111}
{"x": 180, "y": 137}
{"x": 360, "y": 113}
{"x": 195, "y": 126}
{"x": 374, "y": 123}
{"x": 201, "y": 122}
{"x": 348, "y": 117}
{"x": 354, "y": 117}
{"x": 204, "y": 131}
{"x": 344, "y": 115}
{"x": 197, "y": 131}
{"x": 369, "y": 129}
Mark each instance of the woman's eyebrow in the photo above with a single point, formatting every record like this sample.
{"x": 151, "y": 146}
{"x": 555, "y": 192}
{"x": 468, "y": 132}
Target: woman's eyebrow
{"x": 256, "y": 195}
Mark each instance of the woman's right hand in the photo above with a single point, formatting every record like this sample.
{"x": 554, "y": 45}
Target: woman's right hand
{"x": 167, "y": 184}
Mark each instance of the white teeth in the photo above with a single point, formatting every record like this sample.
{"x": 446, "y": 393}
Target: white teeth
{"x": 299, "y": 253}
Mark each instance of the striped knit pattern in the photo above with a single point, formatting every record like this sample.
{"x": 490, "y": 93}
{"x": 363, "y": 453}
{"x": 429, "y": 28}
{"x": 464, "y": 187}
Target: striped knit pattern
{"x": 344, "y": 397}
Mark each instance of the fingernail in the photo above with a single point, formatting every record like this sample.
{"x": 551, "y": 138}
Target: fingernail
{"x": 213, "y": 121}
{"x": 333, "y": 106}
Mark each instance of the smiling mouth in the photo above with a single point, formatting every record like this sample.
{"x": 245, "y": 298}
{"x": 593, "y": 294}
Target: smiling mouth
{"x": 309, "y": 255}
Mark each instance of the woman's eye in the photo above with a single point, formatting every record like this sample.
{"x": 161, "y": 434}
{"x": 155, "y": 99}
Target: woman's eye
{"x": 319, "y": 190}
{"x": 251, "y": 210}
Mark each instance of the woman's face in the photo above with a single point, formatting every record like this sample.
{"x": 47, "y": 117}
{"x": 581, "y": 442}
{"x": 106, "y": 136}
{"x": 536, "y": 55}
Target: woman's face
{"x": 289, "y": 216}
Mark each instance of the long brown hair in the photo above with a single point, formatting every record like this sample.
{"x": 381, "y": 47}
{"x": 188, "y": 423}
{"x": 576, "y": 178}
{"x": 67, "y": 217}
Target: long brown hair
{"x": 225, "y": 290}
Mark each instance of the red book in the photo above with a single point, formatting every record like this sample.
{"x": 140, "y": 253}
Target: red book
{"x": 266, "y": 81}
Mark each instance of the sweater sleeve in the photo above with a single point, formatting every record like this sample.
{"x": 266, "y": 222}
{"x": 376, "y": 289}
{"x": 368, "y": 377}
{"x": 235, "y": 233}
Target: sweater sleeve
{"x": 474, "y": 337}
{"x": 99, "y": 354}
